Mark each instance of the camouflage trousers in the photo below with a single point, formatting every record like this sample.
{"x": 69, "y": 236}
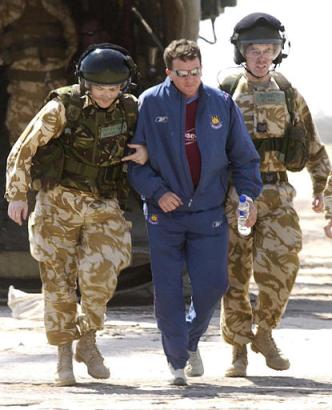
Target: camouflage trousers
{"x": 270, "y": 253}
{"x": 25, "y": 100}
{"x": 77, "y": 237}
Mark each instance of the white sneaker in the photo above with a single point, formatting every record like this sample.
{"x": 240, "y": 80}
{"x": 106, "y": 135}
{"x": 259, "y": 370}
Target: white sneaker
{"x": 194, "y": 366}
{"x": 179, "y": 378}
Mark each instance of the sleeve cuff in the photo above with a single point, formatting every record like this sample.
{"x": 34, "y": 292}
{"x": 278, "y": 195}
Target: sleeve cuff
{"x": 19, "y": 196}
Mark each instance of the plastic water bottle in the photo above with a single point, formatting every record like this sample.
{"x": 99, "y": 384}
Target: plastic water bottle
{"x": 243, "y": 213}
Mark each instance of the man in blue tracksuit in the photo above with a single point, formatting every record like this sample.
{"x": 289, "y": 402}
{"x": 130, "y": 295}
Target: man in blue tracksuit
{"x": 196, "y": 139}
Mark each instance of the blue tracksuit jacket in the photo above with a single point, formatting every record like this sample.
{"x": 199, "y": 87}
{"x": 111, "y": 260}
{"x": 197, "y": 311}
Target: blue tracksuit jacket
{"x": 223, "y": 141}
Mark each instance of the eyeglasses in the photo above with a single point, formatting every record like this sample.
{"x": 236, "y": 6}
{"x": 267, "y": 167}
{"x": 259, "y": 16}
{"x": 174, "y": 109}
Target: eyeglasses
{"x": 195, "y": 72}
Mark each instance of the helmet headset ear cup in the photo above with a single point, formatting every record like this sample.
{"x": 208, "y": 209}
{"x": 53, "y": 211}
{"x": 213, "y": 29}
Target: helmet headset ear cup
{"x": 281, "y": 55}
{"x": 238, "y": 57}
{"x": 132, "y": 66}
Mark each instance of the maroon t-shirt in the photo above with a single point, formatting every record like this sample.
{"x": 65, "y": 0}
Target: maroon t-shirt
{"x": 190, "y": 142}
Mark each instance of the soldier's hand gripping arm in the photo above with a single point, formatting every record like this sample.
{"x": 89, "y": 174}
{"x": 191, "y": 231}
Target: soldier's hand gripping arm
{"x": 140, "y": 156}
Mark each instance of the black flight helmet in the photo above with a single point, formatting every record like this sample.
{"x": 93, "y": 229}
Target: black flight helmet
{"x": 258, "y": 28}
{"x": 106, "y": 64}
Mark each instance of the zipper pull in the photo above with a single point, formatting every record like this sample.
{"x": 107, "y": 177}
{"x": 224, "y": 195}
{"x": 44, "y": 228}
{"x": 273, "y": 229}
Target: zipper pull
{"x": 190, "y": 202}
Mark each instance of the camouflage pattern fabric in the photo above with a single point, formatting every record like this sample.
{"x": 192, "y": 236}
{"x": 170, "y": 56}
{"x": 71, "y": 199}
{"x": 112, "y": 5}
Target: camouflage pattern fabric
{"x": 26, "y": 97}
{"x": 92, "y": 146}
{"x": 265, "y": 113}
{"x": 48, "y": 123}
{"x": 328, "y": 198}
{"x": 75, "y": 235}
{"x": 271, "y": 251}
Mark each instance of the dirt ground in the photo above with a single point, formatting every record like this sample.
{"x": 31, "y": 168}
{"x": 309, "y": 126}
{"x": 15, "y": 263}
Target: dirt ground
{"x": 140, "y": 377}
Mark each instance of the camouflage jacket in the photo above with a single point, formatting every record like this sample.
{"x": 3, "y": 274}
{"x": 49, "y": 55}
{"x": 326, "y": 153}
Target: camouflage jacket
{"x": 12, "y": 10}
{"x": 266, "y": 115}
{"x": 49, "y": 123}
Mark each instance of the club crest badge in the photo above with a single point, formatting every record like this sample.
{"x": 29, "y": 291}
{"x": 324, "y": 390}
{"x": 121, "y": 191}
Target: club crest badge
{"x": 215, "y": 122}
{"x": 153, "y": 219}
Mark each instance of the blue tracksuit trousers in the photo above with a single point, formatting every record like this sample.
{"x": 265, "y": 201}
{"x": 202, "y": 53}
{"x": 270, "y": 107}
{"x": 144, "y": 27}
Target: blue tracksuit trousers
{"x": 198, "y": 241}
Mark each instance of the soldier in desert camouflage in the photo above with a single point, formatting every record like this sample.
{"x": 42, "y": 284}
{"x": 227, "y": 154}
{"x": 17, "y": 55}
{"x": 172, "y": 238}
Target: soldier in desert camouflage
{"x": 38, "y": 39}
{"x": 328, "y": 207}
{"x": 282, "y": 129}
{"x": 72, "y": 152}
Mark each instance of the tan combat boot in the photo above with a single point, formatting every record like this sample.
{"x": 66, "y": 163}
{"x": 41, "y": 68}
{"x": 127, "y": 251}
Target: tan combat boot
{"x": 64, "y": 375}
{"x": 265, "y": 344}
{"x": 87, "y": 352}
{"x": 239, "y": 362}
